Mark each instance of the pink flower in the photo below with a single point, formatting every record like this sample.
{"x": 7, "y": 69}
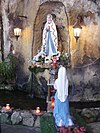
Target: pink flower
{"x": 82, "y": 129}
{"x": 76, "y": 130}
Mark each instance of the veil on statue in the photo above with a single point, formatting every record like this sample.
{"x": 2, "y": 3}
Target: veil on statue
{"x": 49, "y": 41}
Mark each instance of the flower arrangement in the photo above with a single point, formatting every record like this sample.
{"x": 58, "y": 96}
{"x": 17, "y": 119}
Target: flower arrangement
{"x": 64, "y": 59}
{"x": 79, "y": 130}
{"x": 73, "y": 130}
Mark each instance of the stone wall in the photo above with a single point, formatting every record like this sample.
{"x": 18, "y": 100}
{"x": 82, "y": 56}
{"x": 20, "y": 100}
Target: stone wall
{"x": 21, "y": 117}
{"x": 85, "y": 52}
{"x": 32, "y": 119}
{"x": 86, "y": 82}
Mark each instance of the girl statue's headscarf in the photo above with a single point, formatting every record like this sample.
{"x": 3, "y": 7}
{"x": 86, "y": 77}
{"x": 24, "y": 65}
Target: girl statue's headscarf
{"x": 61, "y": 84}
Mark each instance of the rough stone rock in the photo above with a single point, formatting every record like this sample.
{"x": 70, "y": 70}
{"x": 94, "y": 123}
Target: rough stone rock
{"x": 26, "y": 114}
{"x": 95, "y": 126}
{"x": 87, "y": 94}
{"x": 91, "y": 114}
{"x": 28, "y": 118}
{"x": 28, "y": 121}
{"x": 98, "y": 117}
{"x": 37, "y": 90}
{"x": 43, "y": 85}
{"x": 87, "y": 83}
{"x": 21, "y": 77}
{"x": 37, "y": 87}
{"x": 37, "y": 122}
{"x": 4, "y": 118}
{"x": 45, "y": 74}
{"x": 6, "y": 87}
{"x": 16, "y": 118}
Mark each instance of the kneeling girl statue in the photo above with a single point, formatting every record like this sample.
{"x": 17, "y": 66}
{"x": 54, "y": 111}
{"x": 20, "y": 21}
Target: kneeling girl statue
{"x": 61, "y": 108}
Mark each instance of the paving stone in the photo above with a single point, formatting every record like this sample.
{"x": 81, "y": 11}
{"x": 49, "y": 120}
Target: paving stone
{"x": 95, "y": 127}
{"x": 4, "y": 128}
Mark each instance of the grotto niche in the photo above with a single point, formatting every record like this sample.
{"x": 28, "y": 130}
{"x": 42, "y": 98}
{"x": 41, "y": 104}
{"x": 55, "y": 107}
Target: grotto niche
{"x": 57, "y": 10}
{"x": 60, "y": 19}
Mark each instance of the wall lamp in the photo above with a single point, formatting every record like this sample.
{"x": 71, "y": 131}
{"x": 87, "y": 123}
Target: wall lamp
{"x": 17, "y": 32}
{"x": 18, "y": 25}
{"x": 77, "y": 28}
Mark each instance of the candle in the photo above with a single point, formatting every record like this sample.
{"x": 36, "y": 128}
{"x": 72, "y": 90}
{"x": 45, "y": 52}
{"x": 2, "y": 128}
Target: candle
{"x": 52, "y": 103}
{"x": 37, "y": 110}
{"x": 7, "y": 107}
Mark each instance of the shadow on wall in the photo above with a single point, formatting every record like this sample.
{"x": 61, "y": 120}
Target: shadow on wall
{"x": 21, "y": 77}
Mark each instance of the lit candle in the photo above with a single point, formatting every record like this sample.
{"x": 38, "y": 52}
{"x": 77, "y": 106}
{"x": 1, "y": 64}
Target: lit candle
{"x": 37, "y": 110}
{"x": 7, "y": 107}
{"x": 52, "y": 103}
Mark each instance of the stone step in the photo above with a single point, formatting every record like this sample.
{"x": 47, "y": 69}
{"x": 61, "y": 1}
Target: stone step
{"x": 95, "y": 127}
{"x": 5, "y": 128}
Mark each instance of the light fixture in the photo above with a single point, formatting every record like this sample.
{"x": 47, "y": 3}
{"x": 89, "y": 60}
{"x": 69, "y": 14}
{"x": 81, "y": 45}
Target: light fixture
{"x": 77, "y": 28}
{"x": 18, "y": 25}
{"x": 17, "y": 32}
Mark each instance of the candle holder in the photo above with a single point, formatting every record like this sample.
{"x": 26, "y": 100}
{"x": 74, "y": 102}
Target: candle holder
{"x": 7, "y": 107}
{"x": 37, "y": 110}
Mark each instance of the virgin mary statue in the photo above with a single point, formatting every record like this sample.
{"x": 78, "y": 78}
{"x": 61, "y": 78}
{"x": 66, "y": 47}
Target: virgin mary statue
{"x": 49, "y": 40}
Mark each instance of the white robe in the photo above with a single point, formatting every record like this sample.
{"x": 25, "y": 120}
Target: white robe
{"x": 53, "y": 33}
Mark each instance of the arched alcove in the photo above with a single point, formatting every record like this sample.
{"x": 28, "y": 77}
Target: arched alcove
{"x": 60, "y": 18}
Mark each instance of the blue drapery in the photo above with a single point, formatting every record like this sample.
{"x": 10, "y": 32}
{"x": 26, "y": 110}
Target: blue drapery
{"x": 61, "y": 112}
{"x": 49, "y": 44}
